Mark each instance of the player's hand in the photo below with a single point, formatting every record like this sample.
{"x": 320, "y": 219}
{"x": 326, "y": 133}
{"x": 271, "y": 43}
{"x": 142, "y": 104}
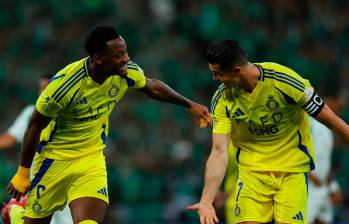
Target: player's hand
{"x": 20, "y": 183}
{"x": 201, "y": 113}
{"x": 206, "y": 212}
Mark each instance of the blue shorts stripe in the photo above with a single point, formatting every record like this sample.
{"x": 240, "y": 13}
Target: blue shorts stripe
{"x": 306, "y": 181}
{"x": 43, "y": 169}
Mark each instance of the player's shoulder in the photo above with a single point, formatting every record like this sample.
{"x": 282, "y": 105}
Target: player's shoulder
{"x": 67, "y": 80}
{"x": 280, "y": 76}
{"x": 75, "y": 70}
{"x": 221, "y": 94}
{"x": 133, "y": 67}
{"x": 135, "y": 75}
{"x": 272, "y": 68}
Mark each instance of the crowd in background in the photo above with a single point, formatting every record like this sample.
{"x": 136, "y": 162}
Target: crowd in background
{"x": 156, "y": 155}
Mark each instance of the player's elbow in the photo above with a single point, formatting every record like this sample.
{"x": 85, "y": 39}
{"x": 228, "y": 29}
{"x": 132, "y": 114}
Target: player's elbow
{"x": 220, "y": 154}
{"x": 156, "y": 86}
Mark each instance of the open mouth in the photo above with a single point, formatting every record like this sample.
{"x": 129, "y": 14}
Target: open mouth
{"x": 123, "y": 70}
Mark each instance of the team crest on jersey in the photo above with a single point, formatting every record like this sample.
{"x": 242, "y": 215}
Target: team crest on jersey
{"x": 48, "y": 104}
{"x": 113, "y": 91}
{"x": 272, "y": 104}
{"x": 36, "y": 206}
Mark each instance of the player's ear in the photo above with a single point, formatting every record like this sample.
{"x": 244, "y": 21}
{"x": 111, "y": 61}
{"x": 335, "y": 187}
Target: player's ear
{"x": 237, "y": 69}
{"x": 97, "y": 58}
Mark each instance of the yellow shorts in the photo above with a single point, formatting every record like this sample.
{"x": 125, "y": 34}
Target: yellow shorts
{"x": 58, "y": 182}
{"x": 264, "y": 196}
{"x": 229, "y": 209}
{"x": 230, "y": 184}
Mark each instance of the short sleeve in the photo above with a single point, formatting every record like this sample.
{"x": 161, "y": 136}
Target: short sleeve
{"x": 135, "y": 76}
{"x": 221, "y": 121}
{"x": 300, "y": 90}
{"x": 58, "y": 93}
{"x": 19, "y": 126}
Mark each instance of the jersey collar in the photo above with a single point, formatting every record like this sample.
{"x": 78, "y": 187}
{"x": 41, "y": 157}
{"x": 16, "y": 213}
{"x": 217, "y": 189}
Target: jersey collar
{"x": 86, "y": 66}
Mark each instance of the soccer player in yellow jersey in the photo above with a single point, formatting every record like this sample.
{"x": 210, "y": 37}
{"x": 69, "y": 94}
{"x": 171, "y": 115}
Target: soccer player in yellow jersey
{"x": 226, "y": 197}
{"x": 262, "y": 109}
{"x": 69, "y": 127}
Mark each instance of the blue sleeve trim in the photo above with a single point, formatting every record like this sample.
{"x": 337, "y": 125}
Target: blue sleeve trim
{"x": 285, "y": 81}
{"x": 130, "y": 82}
{"x": 56, "y": 77}
{"x": 286, "y": 76}
{"x": 70, "y": 87}
{"x": 71, "y": 81}
{"x": 215, "y": 99}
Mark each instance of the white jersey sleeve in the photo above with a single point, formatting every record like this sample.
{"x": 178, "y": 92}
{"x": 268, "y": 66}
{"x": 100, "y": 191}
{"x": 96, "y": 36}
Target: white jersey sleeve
{"x": 19, "y": 126}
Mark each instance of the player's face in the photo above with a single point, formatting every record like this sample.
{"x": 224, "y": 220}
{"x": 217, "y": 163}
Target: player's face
{"x": 115, "y": 57}
{"x": 229, "y": 78}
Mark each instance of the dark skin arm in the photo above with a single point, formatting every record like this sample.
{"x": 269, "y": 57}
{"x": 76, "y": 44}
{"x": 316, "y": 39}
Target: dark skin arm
{"x": 30, "y": 142}
{"x": 158, "y": 90}
{"x": 333, "y": 122}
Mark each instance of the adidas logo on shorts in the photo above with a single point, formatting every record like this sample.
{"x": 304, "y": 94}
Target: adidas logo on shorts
{"x": 299, "y": 216}
{"x": 103, "y": 191}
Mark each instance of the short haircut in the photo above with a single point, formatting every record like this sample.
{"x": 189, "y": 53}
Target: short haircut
{"x": 226, "y": 53}
{"x": 96, "y": 40}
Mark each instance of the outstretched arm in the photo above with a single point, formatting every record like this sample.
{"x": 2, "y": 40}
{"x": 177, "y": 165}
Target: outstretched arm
{"x": 158, "y": 90}
{"x": 215, "y": 169}
{"x": 20, "y": 182}
{"x": 7, "y": 141}
{"x": 333, "y": 122}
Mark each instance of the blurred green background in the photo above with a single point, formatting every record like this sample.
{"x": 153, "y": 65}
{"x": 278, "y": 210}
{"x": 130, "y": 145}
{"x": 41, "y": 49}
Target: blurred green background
{"x": 156, "y": 155}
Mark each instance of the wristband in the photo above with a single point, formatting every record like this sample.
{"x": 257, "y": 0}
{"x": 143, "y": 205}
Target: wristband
{"x": 21, "y": 180}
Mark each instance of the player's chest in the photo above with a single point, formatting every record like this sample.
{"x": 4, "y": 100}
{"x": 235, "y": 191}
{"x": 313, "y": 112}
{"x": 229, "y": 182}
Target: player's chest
{"x": 95, "y": 99}
{"x": 264, "y": 107}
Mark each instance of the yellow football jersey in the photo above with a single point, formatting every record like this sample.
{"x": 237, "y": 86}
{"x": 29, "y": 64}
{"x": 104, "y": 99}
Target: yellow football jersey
{"x": 269, "y": 126}
{"x": 79, "y": 108}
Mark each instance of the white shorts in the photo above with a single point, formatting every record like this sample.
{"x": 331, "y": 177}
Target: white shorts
{"x": 319, "y": 204}
{"x": 63, "y": 216}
